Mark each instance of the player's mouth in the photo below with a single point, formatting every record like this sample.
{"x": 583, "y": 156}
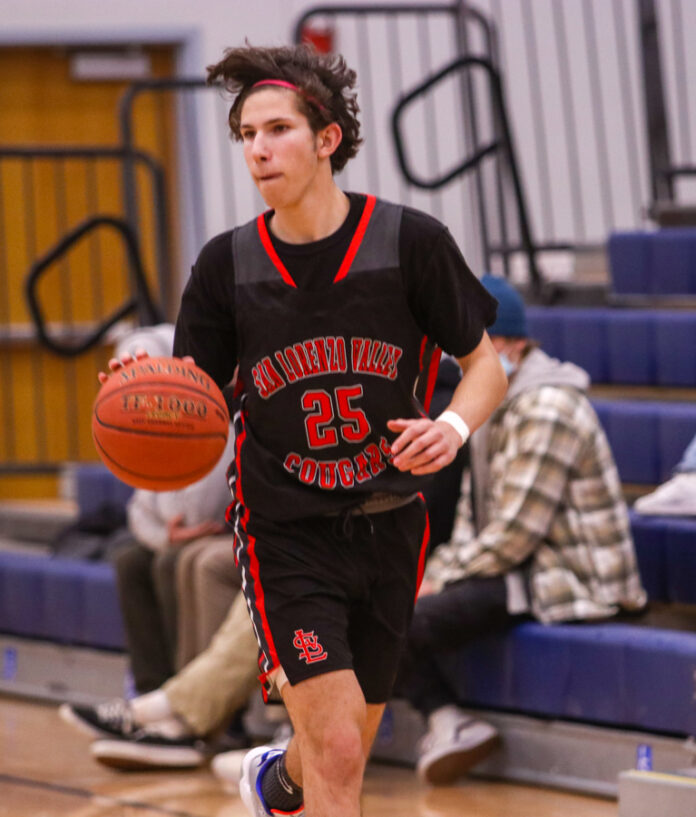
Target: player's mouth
{"x": 268, "y": 177}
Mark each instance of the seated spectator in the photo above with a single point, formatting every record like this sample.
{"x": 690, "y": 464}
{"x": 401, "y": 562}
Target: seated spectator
{"x": 677, "y": 496}
{"x": 160, "y": 524}
{"x": 176, "y": 725}
{"x": 541, "y": 530}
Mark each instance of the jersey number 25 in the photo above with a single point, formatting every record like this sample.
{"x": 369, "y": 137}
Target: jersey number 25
{"x": 322, "y": 410}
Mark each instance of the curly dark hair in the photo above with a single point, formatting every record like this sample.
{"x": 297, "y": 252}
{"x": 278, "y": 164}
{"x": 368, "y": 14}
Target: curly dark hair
{"x": 325, "y": 82}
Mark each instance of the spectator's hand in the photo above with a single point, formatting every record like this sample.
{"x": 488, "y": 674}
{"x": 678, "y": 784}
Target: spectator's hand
{"x": 423, "y": 446}
{"x": 117, "y": 363}
{"x": 427, "y": 588}
{"x": 180, "y": 534}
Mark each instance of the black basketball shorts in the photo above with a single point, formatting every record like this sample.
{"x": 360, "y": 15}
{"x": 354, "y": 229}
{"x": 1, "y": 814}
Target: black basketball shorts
{"x": 333, "y": 592}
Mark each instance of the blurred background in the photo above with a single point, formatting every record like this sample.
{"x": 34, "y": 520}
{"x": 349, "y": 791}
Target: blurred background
{"x": 534, "y": 128}
{"x": 557, "y": 141}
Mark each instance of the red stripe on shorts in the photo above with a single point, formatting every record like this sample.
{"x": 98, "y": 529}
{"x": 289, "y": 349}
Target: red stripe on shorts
{"x": 260, "y": 601}
{"x": 423, "y": 547}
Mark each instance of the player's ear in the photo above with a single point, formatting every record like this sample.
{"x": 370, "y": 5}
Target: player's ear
{"x": 328, "y": 139}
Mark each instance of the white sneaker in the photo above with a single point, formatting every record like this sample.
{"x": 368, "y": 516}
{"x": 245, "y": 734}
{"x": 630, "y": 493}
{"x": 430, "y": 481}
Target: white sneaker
{"x": 453, "y": 744}
{"x": 676, "y": 497}
{"x": 227, "y": 766}
{"x": 254, "y": 766}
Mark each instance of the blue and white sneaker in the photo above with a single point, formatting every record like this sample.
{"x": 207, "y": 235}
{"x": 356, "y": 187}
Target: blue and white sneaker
{"x": 254, "y": 766}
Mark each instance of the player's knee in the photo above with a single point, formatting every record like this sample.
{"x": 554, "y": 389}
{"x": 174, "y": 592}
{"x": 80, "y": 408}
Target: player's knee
{"x": 341, "y": 753}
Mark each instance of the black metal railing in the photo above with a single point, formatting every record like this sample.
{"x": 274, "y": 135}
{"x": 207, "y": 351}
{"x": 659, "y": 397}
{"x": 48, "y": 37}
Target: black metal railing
{"x": 72, "y": 270}
{"x": 71, "y": 341}
{"x": 392, "y": 48}
{"x": 599, "y": 104}
{"x": 501, "y": 145}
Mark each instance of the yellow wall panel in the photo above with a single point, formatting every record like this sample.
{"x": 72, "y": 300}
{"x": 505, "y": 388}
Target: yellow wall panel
{"x": 46, "y": 417}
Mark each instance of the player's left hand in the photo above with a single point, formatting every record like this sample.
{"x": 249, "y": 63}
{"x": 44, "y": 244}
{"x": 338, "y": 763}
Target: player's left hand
{"x": 423, "y": 446}
{"x": 117, "y": 363}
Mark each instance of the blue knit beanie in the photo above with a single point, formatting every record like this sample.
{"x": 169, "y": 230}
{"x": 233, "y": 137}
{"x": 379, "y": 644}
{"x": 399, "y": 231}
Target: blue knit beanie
{"x": 512, "y": 320}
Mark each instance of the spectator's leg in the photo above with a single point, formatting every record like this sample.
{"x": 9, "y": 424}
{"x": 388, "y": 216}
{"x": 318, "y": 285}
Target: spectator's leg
{"x": 445, "y": 621}
{"x": 216, "y": 582}
{"x": 143, "y": 624}
{"x": 187, "y": 602}
{"x": 164, "y": 580}
{"x": 220, "y": 680}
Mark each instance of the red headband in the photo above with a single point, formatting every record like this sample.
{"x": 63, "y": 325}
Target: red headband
{"x": 284, "y": 84}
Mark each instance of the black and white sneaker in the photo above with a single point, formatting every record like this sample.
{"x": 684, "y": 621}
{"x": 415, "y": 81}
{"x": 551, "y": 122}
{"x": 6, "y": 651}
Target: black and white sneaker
{"x": 111, "y": 719}
{"x": 148, "y": 749}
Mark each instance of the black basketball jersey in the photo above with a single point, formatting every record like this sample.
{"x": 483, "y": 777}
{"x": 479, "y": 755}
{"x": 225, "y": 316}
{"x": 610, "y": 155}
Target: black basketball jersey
{"x": 322, "y": 372}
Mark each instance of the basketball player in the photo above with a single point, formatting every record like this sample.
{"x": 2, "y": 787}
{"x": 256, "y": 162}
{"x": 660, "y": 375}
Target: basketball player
{"x": 332, "y": 304}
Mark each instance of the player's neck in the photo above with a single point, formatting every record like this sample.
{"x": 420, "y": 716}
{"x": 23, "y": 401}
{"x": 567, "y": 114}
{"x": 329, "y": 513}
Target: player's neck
{"x": 317, "y": 215}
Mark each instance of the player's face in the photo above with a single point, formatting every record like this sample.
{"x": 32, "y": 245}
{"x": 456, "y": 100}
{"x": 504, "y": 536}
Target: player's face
{"x": 279, "y": 147}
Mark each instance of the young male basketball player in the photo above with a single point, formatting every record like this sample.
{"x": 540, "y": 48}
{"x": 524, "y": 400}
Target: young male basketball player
{"x": 331, "y": 305}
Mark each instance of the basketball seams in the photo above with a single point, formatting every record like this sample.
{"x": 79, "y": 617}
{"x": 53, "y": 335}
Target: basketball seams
{"x": 181, "y": 480}
{"x": 146, "y": 432}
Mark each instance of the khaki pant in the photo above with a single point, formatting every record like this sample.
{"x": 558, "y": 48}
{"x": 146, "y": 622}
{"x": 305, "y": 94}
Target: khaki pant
{"x": 207, "y": 582}
{"x": 210, "y": 689}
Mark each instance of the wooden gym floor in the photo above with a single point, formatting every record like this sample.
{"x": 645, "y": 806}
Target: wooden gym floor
{"x": 46, "y": 771}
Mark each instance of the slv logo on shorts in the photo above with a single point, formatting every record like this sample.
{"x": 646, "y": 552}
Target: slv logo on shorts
{"x": 309, "y": 647}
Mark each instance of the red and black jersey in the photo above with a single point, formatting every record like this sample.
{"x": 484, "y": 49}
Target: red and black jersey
{"x": 323, "y": 371}
{"x": 328, "y": 355}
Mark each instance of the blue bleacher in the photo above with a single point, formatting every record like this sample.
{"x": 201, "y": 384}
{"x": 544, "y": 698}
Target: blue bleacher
{"x": 648, "y": 437}
{"x": 627, "y": 346}
{"x": 662, "y": 262}
{"x": 609, "y": 673}
{"x": 66, "y": 601}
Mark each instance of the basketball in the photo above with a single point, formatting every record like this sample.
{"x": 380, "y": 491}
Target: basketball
{"x": 160, "y": 423}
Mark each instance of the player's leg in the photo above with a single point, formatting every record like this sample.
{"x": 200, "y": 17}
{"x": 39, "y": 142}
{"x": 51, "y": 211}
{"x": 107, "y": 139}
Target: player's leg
{"x": 298, "y": 579}
{"x": 333, "y": 733}
{"x": 391, "y": 554}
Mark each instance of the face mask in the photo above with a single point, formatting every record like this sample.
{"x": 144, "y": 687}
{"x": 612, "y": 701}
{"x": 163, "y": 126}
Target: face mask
{"x": 508, "y": 366}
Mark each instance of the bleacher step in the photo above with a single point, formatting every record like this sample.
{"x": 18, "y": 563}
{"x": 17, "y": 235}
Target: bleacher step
{"x": 648, "y": 793}
{"x": 559, "y": 754}
{"x": 35, "y": 520}
{"x": 57, "y": 672}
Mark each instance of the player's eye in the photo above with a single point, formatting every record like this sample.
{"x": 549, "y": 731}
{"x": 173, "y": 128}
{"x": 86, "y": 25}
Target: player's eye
{"x": 280, "y": 128}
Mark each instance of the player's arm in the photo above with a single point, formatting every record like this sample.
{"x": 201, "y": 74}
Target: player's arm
{"x": 425, "y": 446}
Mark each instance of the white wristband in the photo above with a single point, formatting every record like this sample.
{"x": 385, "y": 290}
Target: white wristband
{"x": 453, "y": 419}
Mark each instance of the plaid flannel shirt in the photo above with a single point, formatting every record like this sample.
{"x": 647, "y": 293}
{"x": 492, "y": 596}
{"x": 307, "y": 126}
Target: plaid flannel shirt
{"x": 556, "y": 510}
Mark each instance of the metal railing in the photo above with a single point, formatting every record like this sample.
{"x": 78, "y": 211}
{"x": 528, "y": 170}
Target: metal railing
{"x": 392, "y": 47}
{"x": 500, "y": 145}
{"x": 599, "y": 106}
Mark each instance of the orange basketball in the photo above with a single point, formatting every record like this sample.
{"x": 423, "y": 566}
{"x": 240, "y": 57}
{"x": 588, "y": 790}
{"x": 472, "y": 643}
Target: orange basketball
{"x": 160, "y": 423}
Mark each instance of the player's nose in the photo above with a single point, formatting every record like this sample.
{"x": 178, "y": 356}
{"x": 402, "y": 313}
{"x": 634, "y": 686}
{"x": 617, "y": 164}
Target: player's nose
{"x": 259, "y": 147}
